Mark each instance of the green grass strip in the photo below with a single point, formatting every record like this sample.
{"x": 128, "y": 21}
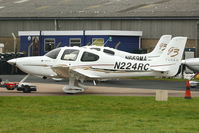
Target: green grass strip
{"x": 98, "y": 114}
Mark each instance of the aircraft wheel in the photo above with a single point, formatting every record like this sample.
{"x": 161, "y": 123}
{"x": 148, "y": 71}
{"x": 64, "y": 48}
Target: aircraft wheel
{"x": 26, "y": 89}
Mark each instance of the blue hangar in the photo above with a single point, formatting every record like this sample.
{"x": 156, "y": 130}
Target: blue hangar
{"x": 40, "y": 42}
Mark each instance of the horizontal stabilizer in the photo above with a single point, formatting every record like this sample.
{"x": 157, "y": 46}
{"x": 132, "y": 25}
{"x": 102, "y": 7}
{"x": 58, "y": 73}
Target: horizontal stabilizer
{"x": 160, "y": 68}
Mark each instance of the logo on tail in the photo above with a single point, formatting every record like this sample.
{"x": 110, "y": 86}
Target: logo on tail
{"x": 172, "y": 52}
{"x": 162, "y": 46}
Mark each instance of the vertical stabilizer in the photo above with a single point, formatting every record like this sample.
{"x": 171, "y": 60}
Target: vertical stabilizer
{"x": 161, "y": 45}
{"x": 169, "y": 61}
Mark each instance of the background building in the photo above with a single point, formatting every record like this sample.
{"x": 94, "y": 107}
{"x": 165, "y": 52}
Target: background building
{"x": 154, "y": 18}
{"x": 41, "y": 42}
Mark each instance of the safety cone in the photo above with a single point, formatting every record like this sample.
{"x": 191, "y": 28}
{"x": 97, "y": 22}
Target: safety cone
{"x": 188, "y": 91}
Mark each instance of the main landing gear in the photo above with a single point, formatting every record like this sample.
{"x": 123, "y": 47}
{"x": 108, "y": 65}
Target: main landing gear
{"x": 193, "y": 84}
{"x": 73, "y": 87}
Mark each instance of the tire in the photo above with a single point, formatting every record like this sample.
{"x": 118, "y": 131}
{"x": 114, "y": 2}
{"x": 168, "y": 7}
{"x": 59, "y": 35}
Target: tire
{"x": 26, "y": 89}
{"x": 193, "y": 86}
{"x": 9, "y": 88}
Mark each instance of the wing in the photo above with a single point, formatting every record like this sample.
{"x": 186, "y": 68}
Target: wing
{"x": 62, "y": 71}
{"x": 83, "y": 72}
{"x": 65, "y": 71}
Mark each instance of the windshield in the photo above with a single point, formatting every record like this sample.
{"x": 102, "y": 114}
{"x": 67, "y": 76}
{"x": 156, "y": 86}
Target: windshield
{"x": 53, "y": 53}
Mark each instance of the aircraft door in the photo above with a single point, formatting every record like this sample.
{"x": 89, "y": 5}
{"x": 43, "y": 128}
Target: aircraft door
{"x": 69, "y": 56}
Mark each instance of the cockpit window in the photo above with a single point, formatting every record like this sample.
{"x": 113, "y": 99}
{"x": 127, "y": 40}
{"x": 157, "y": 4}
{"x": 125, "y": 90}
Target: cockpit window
{"x": 53, "y": 53}
{"x": 98, "y": 49}
{"x": 108, "y": 52}
{"x": 70, "y": 54}
{"x": 89, "y": 57}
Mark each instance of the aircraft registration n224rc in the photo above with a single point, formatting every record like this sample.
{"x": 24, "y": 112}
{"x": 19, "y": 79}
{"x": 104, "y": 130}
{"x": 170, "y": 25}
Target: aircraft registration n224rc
{"x": 157, "y": 51}
{"x": 78, "y": 63}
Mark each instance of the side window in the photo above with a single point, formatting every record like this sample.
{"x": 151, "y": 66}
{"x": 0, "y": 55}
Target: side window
{"x": 89, "y": 57}
{"x": 49, "y": 44}
{"x": 75, "y": 42}
{"x": 98, "y": 49}
{"x": 70, "y": 54}
{"x": 108, "y": 52}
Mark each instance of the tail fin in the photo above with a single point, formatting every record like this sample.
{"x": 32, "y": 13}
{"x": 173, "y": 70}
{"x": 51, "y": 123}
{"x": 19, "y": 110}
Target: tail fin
{"x": 169, "y": 62}
{"x": 161, "y": 45}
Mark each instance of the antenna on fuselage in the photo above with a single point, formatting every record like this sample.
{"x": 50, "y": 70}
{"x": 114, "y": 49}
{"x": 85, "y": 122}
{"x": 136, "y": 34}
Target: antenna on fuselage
{"x": 108, "y": 40}
{"x": 93, "y": 42}
{"x": 88, "y": 44}
{"x": 117, "y": 45}
{"x": 59, "y": 44}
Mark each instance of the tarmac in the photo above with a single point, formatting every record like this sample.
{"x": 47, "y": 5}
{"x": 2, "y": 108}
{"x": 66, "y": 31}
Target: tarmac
{"x": 108, "y": 88}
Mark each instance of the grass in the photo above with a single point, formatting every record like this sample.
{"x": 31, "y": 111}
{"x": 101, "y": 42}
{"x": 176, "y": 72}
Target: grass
{"x": 98, "y": 114}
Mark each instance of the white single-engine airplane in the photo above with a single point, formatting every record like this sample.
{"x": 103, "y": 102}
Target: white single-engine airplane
{"x": 192, "y": 64}
{"x": 78, "y": 64}
{"x": 157, "y": 51}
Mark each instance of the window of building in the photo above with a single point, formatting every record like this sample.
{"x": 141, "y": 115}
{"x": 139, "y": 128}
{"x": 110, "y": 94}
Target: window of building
{"x": 70, "y": 54}
{"x": 49, "y": 44}
{"x": 98, "y": 41}
{"x": 53, "y": 53}
{"x": 108, "y": 52}
{"x": 75, "y": 42}
{"x": 89, "y": 57}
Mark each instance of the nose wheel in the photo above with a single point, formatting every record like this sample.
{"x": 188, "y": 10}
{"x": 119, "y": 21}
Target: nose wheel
{"x": 26, "y": 87}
